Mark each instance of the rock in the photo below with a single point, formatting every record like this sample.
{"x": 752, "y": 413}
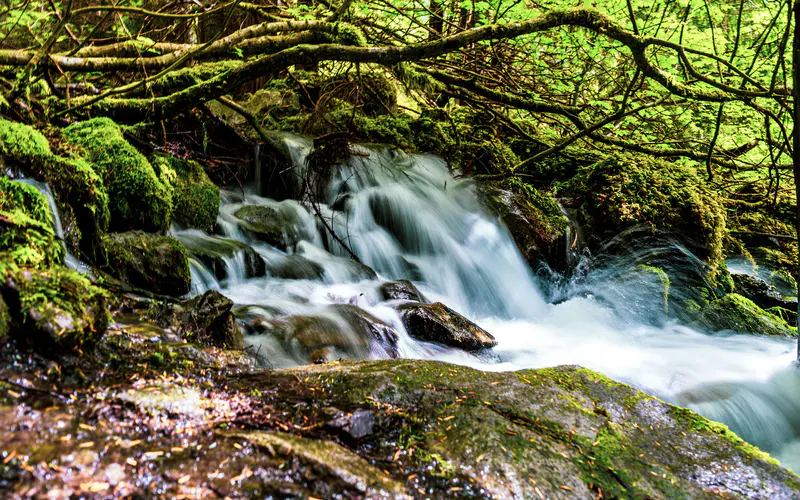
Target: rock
{"x": 356, "y": 425}
{"x": 5, "y": 320}
{"x": 336, "y": 269}
{"x": 54, "y": 311}
{"x": 341, "y": 330}
{"x": 139, "y": 199}
{"x": 149, "y": 261}
{"x": 626, "y": 191}
{"x": 534, "y": 220}
{"x": 331, "y": 460}
{"x": 438, "y": 323}
{"x": 575, "y": 431}
{"x": 400, "y": 290}
{"x": 278, "y": 224}
{"x": 739, "y": 314}
{"x": 760, "y": 292}
{"x": 213, "y": 251}
{"x": 205, "y": 318}
{"x": 27, "y": 238}
{"x": 294, "y": 267}
{"x": 369, "y": 326}
{"x": 195, "y": 198}
{"x": 78, "y": 190}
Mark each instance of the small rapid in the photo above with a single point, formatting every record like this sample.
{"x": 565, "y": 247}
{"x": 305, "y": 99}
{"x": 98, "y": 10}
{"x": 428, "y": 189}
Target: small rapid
{"x": 406, "y": 218}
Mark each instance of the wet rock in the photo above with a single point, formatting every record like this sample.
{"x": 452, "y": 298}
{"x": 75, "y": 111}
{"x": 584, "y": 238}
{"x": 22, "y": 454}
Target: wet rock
{"x": 330, "y": 460}
{"x": 573, "y": 430}
{"x": 294, "y": 267}
{"x": 206, "y": 318}
{"x": 760, "y": 292}
{"x": 369, "y": 326}
{"x": 55, "y": 310}
{"x": 739, "y": 314}
{"x": 337, "y": 269}
{"x": 195, "y": 198}
{"x": 5, "y": 320}
{"x": 278, "y": 224}
{"x": 438, "y": 323}
{"x": 213, "y": 252}
{"x": 320, "y": 356}
{"x": 356, "y": 425}
{"x": 534, "y": 220}
{"x": 149, "y": 261}
{"x": 400, "y": 290}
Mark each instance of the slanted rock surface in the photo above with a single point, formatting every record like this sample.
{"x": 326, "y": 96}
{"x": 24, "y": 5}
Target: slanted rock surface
{"x": 739, "y": 314}
{"x": 438, "y": 323}
{"x": 205, "y": 318}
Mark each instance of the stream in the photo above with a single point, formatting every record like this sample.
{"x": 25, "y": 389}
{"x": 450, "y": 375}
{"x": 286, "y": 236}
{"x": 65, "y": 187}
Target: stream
{"x": 406, "y": 217}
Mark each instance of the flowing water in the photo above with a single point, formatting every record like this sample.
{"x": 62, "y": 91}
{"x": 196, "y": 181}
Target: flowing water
{"x": 406, "y": 217}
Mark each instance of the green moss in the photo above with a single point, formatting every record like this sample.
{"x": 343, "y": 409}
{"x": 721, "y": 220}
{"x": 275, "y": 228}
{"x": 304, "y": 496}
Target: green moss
{"x": 701, "y": 424}
{"x": 662, "y": 278}
{"x": 26, "y": 228}
{"x": 138, "y": 198}
{"x": 740, "y": 314}
{"x": 148, "y": 261}
{"x": 78, "y": 190}
{"x": 629, "y": 190}
{"x": 195, "y": 197}
{"x": 58, "y": 309}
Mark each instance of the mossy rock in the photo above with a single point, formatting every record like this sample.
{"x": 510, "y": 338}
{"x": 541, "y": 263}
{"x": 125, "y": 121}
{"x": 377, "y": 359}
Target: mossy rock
{"x": 139, "y": 198}
{"x": 627, "y": 190}
{"x": 148, "y": 261}
{"x": 277, "y": 224}
{"x": 195, "y": 198}
{"x": 5, "y": 320}
{"x": 206, "y": 318}
{"x": 79, "y": 191}
{"x": 739, "y": 314}
{"x": 56, "y": 310}
{"x": 27, "y": 238}
{"x": 533, "y": 218}
{"x": 564, "y": 432}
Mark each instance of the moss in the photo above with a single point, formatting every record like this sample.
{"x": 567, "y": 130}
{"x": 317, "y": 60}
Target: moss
{"x": 5, "y": 320}
{"x": 148, "y": 261}
{"x": 79, "y": 191}
{"x": 663, "y": 279}
{"x": 195, "y": 197}
{"x": 740, "y": 314}
{"x": 138, "y": 198}
{"x": 701, "y": 424}
{"x": 57, "y": 309}
{"x": 628, "y": 190}
{"x": 26, "y": 228}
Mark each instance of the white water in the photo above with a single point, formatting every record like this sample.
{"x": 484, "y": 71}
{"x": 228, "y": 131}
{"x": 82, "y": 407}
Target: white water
{"x": 407, "y": 218}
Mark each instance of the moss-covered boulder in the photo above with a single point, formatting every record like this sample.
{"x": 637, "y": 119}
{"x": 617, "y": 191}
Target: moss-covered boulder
{"x": 148, "y": 261}
{"x": 760, "y": 292}
{"x": 54, "y": 311}
{"x": 627, "y": 190}
{"x": 79, "y": 191}
{"x": 533, "y": 218}
{"x": 27, "y": 238}
{"x": 195, "y": 199}
{"x": 739, "y": 314}
{"x": 139, "y": 198}
{"x": 438, "y": 323}
{"x": 563, "y": 432}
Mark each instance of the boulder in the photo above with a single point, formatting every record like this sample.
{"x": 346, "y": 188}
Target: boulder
{"x": 400, "y": 290}
{"x": 294, "y": 267}
{"x": 760, "y": 292}
{"x": 736, "y": 313}
{"x": 337, "y": 269}
{"x": 149, "y": 261}
{"x": 54, "y": 311}
{"x": 213, "y": 251}
{"x": 139, "y": 199}
{"x": 533, "y": 218}
{"x": 195, "y": 198}
{"x": 205, "y": 318}
{"x": 438, "y": 323}
{"x": 27, "y": 238}
{"x": 278, "y": 224}
{"x": 369, "y": 326}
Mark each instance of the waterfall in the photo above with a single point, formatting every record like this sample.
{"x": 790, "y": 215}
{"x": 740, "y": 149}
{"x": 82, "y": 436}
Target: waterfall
{"x": 405, "y": 217}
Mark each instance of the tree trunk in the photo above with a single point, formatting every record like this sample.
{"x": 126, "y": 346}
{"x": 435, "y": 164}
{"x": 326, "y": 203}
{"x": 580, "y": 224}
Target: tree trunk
{"x": 796, "y": 132}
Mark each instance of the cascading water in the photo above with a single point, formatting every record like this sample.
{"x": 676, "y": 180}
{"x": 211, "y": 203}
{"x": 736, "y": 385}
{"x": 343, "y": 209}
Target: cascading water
{"x": 406, "y": 217}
